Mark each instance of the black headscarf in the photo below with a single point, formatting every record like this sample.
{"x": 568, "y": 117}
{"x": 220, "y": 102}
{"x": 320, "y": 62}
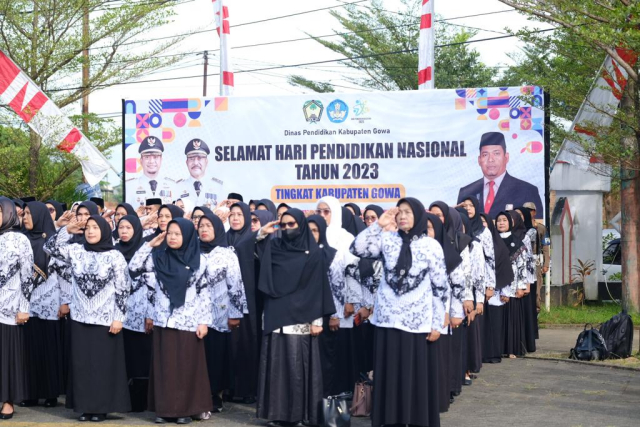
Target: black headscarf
{"x": 43, "y": 228}
{"x": 244, "y": 242}
{"x": 448, "y": 222}
{"x": 281, "y": 205}
{"x": 59, "y": 207}
{"x": 271, "y": 207}
{"x": 466, "y": 235}
{"x": 353, "y": 224}
{"x": 93, "y": 210}
{"x": 264, "y": 217}
{"x": 10, "y": 220}
{"x": 513, "y": 242}
{"x": 452, "y": 258}
{"x": 129, "y": 249}
{"x": 174, "y": 267}
{"x": 219, "y": 234}
{"x": 355, "y": 208}
{"x": 328, "y": 251}
{"x": 504, "y": 272}
{"x": 526, "y": 212}
{"x": 518, "y": 227}
{"x": 106, "y": 241}
{"x": 475, "y": 222}
{"x": 377, "y": 209}
{"x": 399, "y": 281}
{"x": 294, "y": 279}
{"x": 130, "y": 211}
{"x": 462, "y": 240}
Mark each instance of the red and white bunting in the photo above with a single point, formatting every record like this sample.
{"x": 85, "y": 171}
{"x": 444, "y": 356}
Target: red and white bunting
{"x": 426, "y": 47}
{"x": 26, "y": 99}
{"x": 597, "y": 109}
{"x": 222, "y": 27}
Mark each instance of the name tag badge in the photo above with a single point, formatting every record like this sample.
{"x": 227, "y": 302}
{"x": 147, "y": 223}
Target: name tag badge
{"x": 141, "y": 192}
{"x": 184, "y": 195}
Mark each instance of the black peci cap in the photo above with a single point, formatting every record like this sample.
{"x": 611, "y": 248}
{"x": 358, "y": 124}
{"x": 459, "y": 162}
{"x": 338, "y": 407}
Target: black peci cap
{"x": 235, "y": 196}
{"x": 493, "y": 138}
{"x": 151, "y": 202}
{"x": 28, "y": 199}
{"x": 197, "y": 146}
{"x": 151, "y": 144}
{"x": 98, "y": 201}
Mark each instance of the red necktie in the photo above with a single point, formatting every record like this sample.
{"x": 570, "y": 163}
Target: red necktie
{"x": 490, "y": 198}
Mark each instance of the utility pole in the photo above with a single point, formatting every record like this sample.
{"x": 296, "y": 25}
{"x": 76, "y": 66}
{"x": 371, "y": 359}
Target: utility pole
{"x": 85, "y": 67}
{"x": 204, "y": 83}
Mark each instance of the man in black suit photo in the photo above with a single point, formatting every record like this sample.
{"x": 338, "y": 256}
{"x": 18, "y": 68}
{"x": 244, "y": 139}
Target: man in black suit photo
{"x": 497, "y": 188}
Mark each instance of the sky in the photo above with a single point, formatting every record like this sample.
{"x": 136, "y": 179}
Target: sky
{"x": 197, "y": 15}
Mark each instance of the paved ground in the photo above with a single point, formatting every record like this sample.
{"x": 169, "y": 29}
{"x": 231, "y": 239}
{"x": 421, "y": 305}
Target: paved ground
{"x": 522, "y": 392}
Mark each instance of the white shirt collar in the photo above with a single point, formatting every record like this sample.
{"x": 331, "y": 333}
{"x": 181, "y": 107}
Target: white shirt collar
{"x": 497, "y": 181}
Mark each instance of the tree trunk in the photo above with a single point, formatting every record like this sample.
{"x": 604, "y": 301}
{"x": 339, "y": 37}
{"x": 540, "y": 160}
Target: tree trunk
{"x": 34, "y": 162}
{"x": 630, "y": 212}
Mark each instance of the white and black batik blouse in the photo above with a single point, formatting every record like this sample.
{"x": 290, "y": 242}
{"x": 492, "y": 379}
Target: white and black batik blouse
{"x": 16, "y": 274}
{"x": 99, "y": 280}
{"x": 196, "y": 309}
{"x": 419, "y": 307}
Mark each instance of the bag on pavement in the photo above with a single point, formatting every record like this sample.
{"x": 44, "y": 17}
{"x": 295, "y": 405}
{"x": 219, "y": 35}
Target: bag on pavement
{"x": 618, "y": 335}
{"x": 589, "y": 346}
{"x": 362, "y": 397}
{"x": 335, "y": 411}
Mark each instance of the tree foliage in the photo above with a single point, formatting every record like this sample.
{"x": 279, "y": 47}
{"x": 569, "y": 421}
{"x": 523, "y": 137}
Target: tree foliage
{"x": 383, "y": 45}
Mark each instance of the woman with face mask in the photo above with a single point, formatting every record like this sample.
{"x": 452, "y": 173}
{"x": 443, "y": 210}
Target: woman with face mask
{"x": 181, "y": 312}
{"x": 294, "y": 279}
{"x": 407, "y": 315}
{"x": 16, "y": 272}
{"x": 229, "y": 301}
{"x": 43, "y": 335}
{"x": 99, "y": 292}
{"x": 512, "y": 295}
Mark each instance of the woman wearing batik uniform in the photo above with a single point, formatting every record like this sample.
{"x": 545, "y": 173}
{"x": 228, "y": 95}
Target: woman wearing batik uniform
{"x": 43, "y": 334}
{"x": 294, "y": 277}
{"x": 229, "y": 300}
{"x": 182, "y": 309}
{"x": 99, "y": 292}
{"x": 340, "y": 364}
{"x": 409, "y": 313}
{"x": 137, "y": 341}
{"x": 457, "y": 274}
{"x": 472, "y": 361}
{"x": 513, "y": 315}
{"x": 16, "y": 272}
{"x": 531, "y": 295}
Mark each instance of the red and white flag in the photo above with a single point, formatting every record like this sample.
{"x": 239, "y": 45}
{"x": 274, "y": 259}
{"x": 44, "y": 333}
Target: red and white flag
{"x": 597, "y": 109}
{"x": 222, "y": 27}
{"x": 426, "y": 47}
{"x": 26, "y": 99}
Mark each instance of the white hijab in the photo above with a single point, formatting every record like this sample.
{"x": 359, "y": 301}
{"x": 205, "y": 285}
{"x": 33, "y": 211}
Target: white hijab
{"x": 339, "y": 238}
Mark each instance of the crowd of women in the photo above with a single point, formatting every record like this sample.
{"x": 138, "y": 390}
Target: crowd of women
{"x": 175, "y": 309}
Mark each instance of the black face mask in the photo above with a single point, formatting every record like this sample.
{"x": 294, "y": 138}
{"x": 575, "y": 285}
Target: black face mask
{"x": 291, "y": 233}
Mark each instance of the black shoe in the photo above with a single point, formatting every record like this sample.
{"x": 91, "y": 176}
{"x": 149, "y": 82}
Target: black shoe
{"x": 451, "y": 398}
{"x": 280, "y": 424}
{"x": 6, "y": 416}
{"x": 467, "y": 381}
{"x": 28, "y": 403}
{"x": 473, "y": 376}
{"x": 84, "y": 417}
{"x": 249, "y": 400}
{"x": 97, "y": 418}
{"x": 455, "y": 393}
{"x": 160, "y": 420}
{"x": 51, "y": 403}
{"x": 183, "y": 420}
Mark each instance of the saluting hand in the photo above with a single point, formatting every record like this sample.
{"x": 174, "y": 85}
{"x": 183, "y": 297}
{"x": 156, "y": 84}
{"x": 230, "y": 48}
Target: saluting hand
{"x": 75, "y": 226}
{"x": 64, "y": 219}
{"x": 269, "y": 228}
{"x": 150, "y": 221}
{"x": 141, "y": 211}
{"x": 157, "y": 241}
{"x": 388, "y": 218}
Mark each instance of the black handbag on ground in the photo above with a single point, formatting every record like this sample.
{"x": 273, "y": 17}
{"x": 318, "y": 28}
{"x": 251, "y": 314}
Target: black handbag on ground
{"x": 335, "y": 411}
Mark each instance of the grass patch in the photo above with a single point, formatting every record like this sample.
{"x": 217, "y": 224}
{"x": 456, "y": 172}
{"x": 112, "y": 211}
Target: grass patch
{"x": 589, "y": 313}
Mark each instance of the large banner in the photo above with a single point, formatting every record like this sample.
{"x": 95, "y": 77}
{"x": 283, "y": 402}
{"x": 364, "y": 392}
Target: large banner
{"x": 360, "y": 147}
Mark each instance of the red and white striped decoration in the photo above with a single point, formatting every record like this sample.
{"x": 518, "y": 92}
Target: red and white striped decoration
{"x": 26, "y": 99}
{"x": 222, "y": 27}
{"x": 426, "y": 47}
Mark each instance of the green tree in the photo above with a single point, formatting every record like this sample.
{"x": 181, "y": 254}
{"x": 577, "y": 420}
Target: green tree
{"x": 383, "y": 44}
{"x": 601, "y": 28}
{"x": 46, "y": 39}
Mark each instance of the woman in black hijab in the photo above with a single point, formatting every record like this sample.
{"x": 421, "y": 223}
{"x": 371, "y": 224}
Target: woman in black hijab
{"x": 352, "y": 223}
{"x": 43, "y": 335}
{"x": 16, "y": 272}
{"x": 229, "y": 299}
{"x": 245, "y": 340}
{"x": 354, "y": 209}
{"x": 509, "y": 228}
{"x": 371, "y": 214}
{"x": 282, "y": 208}
{"x": 56, "y": 209}
{"x": 409, "y": 314}
{"x": 268, "y": 205}
{"x": 182, "y": 308}
{"x": 98, "y": 377}
{"x": 121, "y": 210}
{"x": 529, "y": 307}
{"x": 294, "y": 279}
{"x": 259, "y": 219}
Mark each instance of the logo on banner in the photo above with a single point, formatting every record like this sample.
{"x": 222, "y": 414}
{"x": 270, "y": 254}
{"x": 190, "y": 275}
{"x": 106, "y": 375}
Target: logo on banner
{"x": 360, "y": 109}
{"x": 337, "y": 111}
{"x": 313, "y": 111}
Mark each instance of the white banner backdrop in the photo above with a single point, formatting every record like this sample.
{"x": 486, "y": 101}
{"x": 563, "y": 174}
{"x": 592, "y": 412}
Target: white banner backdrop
{"x": 360, "y": 147}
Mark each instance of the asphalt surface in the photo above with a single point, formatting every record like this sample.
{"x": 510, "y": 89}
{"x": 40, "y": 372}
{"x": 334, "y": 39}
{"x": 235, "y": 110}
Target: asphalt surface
{"x": 521, "y": 392}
